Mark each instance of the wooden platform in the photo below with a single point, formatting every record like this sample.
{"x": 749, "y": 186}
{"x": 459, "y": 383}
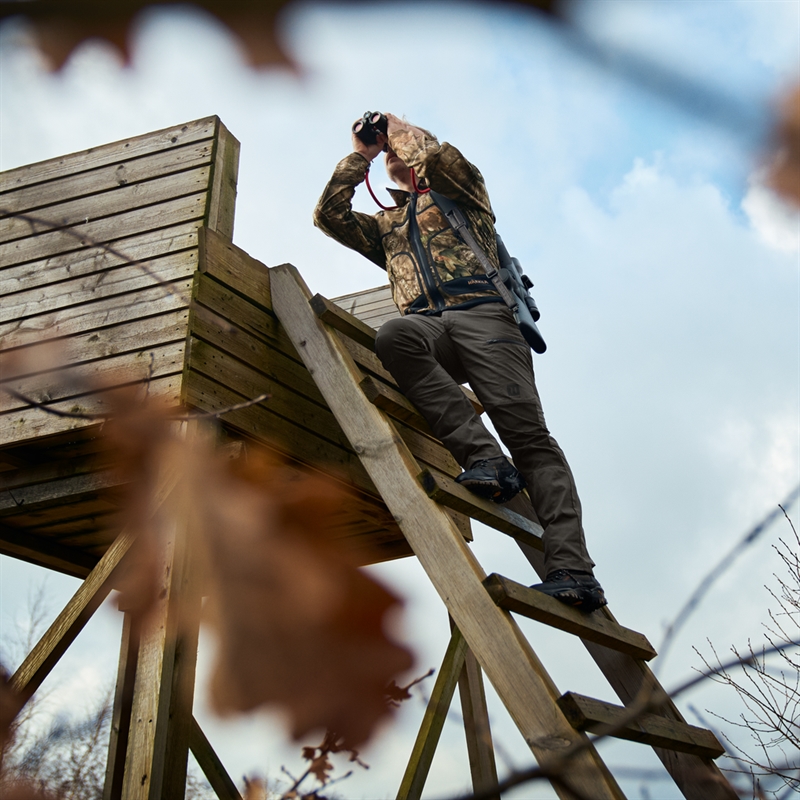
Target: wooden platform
{"x": 117, "y": 268}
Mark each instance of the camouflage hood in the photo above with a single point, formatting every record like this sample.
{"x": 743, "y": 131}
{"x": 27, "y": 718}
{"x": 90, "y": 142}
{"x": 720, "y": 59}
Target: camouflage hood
{"x": 429, "y": 267}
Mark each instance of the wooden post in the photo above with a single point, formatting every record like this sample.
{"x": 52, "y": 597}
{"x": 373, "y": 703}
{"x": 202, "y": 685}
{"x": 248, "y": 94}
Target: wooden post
{"x": 476, "y": 726}
{"x": 161, "y": 713}
{"x": 419, "y": 764}
{"x": 121, "y": 713}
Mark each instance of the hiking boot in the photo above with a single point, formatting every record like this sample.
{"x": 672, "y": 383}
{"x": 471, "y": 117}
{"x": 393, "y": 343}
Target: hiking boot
{"x": 578, "y": 589}
{"x": 496, "y": 479}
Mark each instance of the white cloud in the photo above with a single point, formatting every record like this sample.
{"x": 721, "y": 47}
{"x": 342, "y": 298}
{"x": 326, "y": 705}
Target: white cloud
{"x": 774, "y": 220}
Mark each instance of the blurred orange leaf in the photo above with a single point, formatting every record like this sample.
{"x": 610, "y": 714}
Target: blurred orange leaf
{"x": 60, "y": 26}
{"x": 299, "y": 626}
{"x": 785, "y": 171}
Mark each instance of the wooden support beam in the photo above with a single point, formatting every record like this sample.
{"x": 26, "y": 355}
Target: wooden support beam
{"x": 44, "y": 552}
{"x": 121, "y": 711}
{"x": 161, "y": 711}
{"x": 54, "y": 493}
{"x": 445, "y": 491}
{"x": 588, "y": 714}
{"x": 71, "y": 621}
{"x": 476, "y": 726}
{"x": 419, "y": 764}
{"x": 594, "y": 627}
{"x": 503, "y": 652}
{"x": 212, "y": 767}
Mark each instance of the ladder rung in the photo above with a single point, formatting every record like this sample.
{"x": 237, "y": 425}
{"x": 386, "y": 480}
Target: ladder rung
{"x": 446, "y": 491}
{"x": 588, "y": 714}
{"x": 344, "y": 322}
{"x": 396, "y": 405}
{"x": 595, "y": 627}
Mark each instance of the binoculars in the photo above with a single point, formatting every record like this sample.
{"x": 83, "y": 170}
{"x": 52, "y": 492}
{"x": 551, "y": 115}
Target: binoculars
{"x": 369, "y": 126}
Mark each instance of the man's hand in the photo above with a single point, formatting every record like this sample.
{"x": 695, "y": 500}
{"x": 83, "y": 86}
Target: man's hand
{"x": 369, "y": 151}
{"x": 396, "y": 124}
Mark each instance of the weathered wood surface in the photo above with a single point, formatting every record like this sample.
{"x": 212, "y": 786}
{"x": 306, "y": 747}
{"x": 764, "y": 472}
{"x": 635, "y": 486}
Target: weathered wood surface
{"x": 212, "y": 767}
{"x": 121, "y": 709}
{"x": 594, "y": 627}
{"x": 44, "y": 552}
{"x": 161, "y": 706}
{"x": 597, "y": 716}
{"x": 507, "y": 659}
{"x": 697, "y": 778}
{"x": 444, "y": 490}
{"x": 144, "y": 145}
{"x": 71, "y": 621}
{"x": 480, "y": 748}
{"x": 430, "y": 731}
{"x": 373, "y": 306}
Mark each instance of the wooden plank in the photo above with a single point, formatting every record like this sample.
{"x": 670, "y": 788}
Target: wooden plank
{"x": 116, "y": 340}
{"x": 225, "y": 304}
{"x": 419, "y": 763}
{"x": 259, "y": 423}
{"x": 596, "y": 716}
{"x": 343, "y": 322}
{"x": 113, "y": 204}
{"x": 99, "y": 285}
{"x": 93, "y": 316}
{"x": 222, "y": 186}
{"x": 697, "y": 778}
{"x": 17, "y": 427}
{"x": 212, "y": 767}
{"x": 95, "y": 231}
{"x": 395, "y": 404}
{"x": 57, "y": 168}
{"x": 372, "y": 306}
{"x": 234, "y": 268}
{"x": 476, "y": 727}
{"x": 67, "y": 266}
{"x": 506, "y": 657}
{"x": 70, "y": 622}
{"x": 258, "y": 353}
{"x": 97, "y": 182}
{"x": 78, "y": 506}
{"x": 121, "y": 710}
{"x": 44, "y": 495}
{"x": 594, "y": 627}
{"x": 53, "y": 469}
{"x": 161, "y": 707}
{"x": 43, "y": 552}
{"x": 78, "y": 381}
{"x": 241, "y": 379}
{"x": 444, "y": 490}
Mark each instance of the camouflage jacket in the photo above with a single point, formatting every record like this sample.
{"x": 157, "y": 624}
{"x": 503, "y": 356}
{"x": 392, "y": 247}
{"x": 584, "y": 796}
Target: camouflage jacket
{"x": 430, "y": 269}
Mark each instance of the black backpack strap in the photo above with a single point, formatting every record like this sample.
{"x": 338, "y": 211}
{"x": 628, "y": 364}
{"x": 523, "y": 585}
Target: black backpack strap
{"x": 458, "y": 222}
{"x": 516, "y": 297}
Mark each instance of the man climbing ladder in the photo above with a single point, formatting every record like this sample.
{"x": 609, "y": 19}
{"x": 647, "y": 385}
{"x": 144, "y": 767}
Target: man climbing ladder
{"x": 454, "y": 328}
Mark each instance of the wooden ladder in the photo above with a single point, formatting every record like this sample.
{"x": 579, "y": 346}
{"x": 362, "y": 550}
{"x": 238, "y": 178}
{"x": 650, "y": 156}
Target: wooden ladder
{"x": 486, "y": 636}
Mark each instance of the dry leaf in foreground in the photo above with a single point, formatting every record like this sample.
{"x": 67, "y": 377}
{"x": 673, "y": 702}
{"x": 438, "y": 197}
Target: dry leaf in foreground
{"x": 298, "y": 625}
{"x": 785, "y": 172}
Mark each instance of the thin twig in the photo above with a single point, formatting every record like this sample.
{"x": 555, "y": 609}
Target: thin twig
{"x": 716, "y": 572}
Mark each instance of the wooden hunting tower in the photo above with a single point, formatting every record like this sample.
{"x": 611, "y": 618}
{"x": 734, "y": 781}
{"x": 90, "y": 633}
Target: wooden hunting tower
{"x": 121, "y": 259}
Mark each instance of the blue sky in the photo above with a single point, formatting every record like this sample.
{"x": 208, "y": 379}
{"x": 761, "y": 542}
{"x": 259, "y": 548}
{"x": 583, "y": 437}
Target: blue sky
{"x": 667, "y": 278}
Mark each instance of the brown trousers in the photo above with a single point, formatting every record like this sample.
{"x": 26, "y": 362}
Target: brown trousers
{"x": 429, "y": 356}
